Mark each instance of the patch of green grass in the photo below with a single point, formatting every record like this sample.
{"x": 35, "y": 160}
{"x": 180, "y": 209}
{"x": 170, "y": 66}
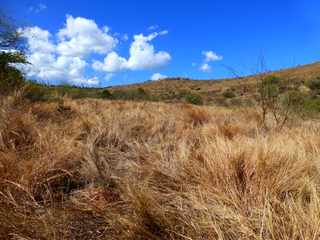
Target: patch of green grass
{"x": 130, "y": 94}
{"x": 229, "y": 93}
{"x": 106, "y": 94}
{"x": 314, "y": 84}
{"x": 36, "y": 92}
{"x": 312, "y": 105}
{"x": 190, "y": 97}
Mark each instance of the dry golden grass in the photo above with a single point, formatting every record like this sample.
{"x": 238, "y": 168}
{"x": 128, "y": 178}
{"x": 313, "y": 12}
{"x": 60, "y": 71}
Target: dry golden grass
{"x": 246, "y": 85}
{"x": 89, "y": 169}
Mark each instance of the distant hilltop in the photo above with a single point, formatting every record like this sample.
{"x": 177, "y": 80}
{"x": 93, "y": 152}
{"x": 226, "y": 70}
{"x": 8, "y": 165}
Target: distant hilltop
{"x": 231, "y": 91}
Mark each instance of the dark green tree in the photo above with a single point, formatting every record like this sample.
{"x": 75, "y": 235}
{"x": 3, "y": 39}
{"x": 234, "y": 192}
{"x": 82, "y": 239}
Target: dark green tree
{"x": 11, "y": 53}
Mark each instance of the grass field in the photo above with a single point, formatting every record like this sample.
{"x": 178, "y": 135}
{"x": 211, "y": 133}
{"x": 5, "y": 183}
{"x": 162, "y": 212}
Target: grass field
{"x": 97, "y": 169}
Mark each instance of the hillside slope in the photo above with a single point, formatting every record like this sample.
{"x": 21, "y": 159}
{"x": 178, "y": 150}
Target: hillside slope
{"x": 213, "y": 91}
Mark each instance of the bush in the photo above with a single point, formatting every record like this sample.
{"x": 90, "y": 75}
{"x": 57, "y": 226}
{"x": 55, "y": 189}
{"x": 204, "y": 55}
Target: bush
{"x": 272, "y": 80}
{"x": 189, "y": 97}
{"x": 130, "y": 94}
{"x": 295, "y": 98}
{"x": 35, "y": 92}
{"x": 194, "y": 99}
{"x": 269, "y": 100}
{"x": 11, "y": 79}
{"x": 269, "y": 88}
{"x": 229, "y": 93}
{"x": 312, "y": 106}
{"x": 106, "y": 94}
{"x": 314, "y": 84}
{"x": 299, "y": 104}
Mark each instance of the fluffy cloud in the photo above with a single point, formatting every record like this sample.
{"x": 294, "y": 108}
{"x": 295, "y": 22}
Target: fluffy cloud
{"x": 112, "y": 63}
{"x": 82, "y": 36}
{"x": 46, "y": 64}
{"x": 65, "y": 56}
{"x": 157, "y": 76}
{"x": 38, "y": 40}
{"x": 142, "y": 56}
{"x": 205, "y": 67}
{"x": 48, "y": 67}
{"x": 211, "y": 56}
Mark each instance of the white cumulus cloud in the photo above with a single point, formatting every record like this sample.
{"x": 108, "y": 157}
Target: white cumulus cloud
{"x": 46, "y": 62}
{"x": 38, "y": 40}
{"x": 157, "y": 76}
{"x": 205, "y": 67}
{"x": 142, "y": 56}
{"x": 82, "y": 36}
{"x": 65, "y": 56}
{"x": 211, "y": 56}
{"x": 112, "y": 63}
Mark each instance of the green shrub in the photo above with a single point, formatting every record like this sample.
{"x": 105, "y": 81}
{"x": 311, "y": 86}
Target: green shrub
{"x": 35, "y": 92}
{"x": 194, "y": 99}
{"x": 10, "y": 81}
{"x": 272, "y": 80}
{"x": 130, "y": 94}
{"x": 180, "y": 95}
{"x": 106, "y": 94}
{"x": 229, "y": 93}
{"x": 189, "y": 97}
{"x": 11, "y": 78}
{"x": 314, "y": 84}
{"x": 312, "y": 106}
{"x": 300, "y": 104}
{"x": 269, "y": 88}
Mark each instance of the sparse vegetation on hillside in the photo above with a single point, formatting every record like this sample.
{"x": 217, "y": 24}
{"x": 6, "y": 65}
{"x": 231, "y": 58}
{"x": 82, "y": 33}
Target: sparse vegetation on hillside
{"x": 223, "y": 92}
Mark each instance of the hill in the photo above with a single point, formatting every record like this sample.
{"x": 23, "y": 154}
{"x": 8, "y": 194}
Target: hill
{"x": 215, "y": 91}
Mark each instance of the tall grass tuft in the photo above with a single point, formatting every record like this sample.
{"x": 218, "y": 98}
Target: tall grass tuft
{"x": 98, "y": 169}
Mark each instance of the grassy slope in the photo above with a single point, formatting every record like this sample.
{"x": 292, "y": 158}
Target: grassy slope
{"x": 212, "y": 90}
{"x": 93, "y": 169}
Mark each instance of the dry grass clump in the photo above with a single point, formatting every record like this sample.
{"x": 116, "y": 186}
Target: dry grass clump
{"x": 88, "y": 169}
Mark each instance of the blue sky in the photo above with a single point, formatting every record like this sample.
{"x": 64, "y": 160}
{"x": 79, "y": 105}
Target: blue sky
{"x": 194, "y": 39}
